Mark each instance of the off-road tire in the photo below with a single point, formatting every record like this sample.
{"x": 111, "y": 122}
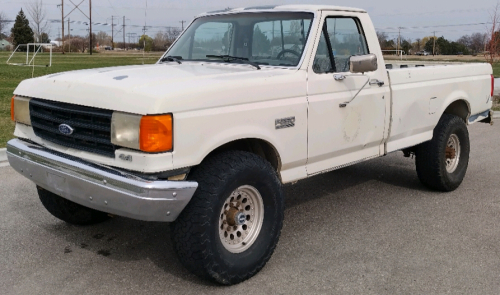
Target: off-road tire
{"x": 195, "y": 233}
{"x": 431, "y": 155}
{"x": 69, "y": 211}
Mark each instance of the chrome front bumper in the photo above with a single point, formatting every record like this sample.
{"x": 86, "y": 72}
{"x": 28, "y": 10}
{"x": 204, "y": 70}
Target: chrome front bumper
{"x": 101, "y": 188}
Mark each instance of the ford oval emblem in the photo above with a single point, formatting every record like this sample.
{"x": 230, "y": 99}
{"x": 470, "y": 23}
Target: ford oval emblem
{"x": 66, "y": 129}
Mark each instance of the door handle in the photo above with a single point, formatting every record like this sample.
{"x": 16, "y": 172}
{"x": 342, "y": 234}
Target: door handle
{"x": 339, "y": 77}
{"x": 377, "y": 82}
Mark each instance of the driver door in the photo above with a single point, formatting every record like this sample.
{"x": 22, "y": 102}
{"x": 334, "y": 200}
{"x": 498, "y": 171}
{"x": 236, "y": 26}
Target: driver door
{"x": 339, "y": 136}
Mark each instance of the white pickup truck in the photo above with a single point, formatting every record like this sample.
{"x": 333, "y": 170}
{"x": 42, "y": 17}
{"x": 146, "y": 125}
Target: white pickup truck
{"x": 246, "y": 100}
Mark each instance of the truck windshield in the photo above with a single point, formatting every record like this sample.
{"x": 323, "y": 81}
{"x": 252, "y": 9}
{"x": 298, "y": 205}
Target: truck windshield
{"x": 276, "y": 38}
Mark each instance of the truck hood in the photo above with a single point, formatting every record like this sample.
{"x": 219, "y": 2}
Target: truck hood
{"x": 166, "y": 88}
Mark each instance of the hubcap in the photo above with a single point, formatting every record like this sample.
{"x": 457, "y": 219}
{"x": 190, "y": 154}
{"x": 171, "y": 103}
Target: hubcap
{"x": 452, "y": 153}
{"x": 241, "y": 219}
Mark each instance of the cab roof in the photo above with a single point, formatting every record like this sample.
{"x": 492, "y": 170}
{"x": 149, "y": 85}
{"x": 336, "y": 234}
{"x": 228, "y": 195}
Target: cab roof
{"x": 291, "y": 8}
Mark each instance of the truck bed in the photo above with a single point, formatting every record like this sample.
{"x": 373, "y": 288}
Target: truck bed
{"x": 421, "y": 91}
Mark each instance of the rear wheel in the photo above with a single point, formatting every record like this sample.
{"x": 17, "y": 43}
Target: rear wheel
{"x": 68, "y": 211}
{"x": 442, "y": 162}
{"x": 232, "y": 224}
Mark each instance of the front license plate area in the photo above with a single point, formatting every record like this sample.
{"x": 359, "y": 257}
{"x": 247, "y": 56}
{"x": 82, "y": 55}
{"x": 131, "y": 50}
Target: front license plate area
{"x": 56, "y": 182}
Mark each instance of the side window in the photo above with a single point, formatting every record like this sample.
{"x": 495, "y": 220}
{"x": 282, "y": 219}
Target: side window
{"x": 279, "y": 42}
{"x": 322, "y": 62}
{"x": 346, "y": 39}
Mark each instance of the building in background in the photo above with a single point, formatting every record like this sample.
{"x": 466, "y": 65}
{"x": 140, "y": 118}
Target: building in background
{"x": 5, "y": 45}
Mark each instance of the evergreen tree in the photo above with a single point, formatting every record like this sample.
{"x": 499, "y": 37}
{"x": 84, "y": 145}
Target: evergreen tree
{"x": 44, "y": 38}
{"x": 21, "y": 32}
{"x": 261, "y": 45}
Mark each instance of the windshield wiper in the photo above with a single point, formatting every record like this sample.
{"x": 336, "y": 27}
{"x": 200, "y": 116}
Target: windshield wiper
{"x": 228, "y": 58}
{"x": 171, "y": 58}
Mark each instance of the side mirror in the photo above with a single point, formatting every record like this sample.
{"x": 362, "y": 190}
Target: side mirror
{"x": 363, "y": 63}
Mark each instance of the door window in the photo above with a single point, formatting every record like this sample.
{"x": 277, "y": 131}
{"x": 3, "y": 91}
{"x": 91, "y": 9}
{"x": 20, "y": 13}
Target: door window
{"x": 343, "y": 37}
{"x": 322, "y": 61}
{"x": 280, "y": 42}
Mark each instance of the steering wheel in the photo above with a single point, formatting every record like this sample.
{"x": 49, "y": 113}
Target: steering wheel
{"x": 280, "y": 55}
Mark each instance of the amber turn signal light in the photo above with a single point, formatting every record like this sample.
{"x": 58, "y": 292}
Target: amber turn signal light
{"x": 156, "y": 133}
{"x": 12, "y": 109}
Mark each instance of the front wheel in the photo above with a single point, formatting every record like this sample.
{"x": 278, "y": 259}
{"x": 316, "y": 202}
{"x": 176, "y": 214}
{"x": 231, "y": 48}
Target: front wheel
{"x": 69, "y": 211}
{"x": 232, "y": 224}
{"x": 443, "y": 161}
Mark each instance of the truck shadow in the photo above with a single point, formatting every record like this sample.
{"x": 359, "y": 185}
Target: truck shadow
{"x": 124, "y": 240}
{"x": 391, "y": 171}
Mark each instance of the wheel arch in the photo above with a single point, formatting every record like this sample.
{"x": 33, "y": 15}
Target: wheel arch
{"x": 459, "y": 108}
{"x": 260, "y": 147}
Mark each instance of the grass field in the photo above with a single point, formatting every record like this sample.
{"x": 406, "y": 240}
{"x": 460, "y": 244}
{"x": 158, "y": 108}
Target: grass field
{"x": 11, "y": 76}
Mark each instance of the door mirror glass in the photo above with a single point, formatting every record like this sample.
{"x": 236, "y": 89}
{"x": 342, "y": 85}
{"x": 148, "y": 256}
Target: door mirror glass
{"x": 363, "y": 63}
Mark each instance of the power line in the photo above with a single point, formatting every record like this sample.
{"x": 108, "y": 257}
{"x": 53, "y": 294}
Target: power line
{"x": 112, "y": 6}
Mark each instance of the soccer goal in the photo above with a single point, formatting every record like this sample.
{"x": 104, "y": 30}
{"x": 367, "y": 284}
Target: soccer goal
{"x": 32, "y": 50}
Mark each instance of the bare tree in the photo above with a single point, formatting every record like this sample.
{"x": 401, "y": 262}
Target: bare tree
{"x": 171, "y": 35}
{"x": 3, "y": 22}
{"x": 159, "y": 41}
{"x": 38, "y": 17}
{"x": 478, "y": 41}
{"x": 382, "y": 38}
{"x": 103, "y": 38}
{"x": 492, "y": 48}
{"x": 163, "y": 40}
{"x": 417, "y": 45}
{"x": 466, "y": 41}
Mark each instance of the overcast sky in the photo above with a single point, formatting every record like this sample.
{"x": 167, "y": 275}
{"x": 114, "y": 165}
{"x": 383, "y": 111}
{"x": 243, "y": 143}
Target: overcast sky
{"x": 418, "y": 17}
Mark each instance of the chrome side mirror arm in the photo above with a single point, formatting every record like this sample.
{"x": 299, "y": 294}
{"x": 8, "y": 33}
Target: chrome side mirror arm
{"x": 340, "y": 77}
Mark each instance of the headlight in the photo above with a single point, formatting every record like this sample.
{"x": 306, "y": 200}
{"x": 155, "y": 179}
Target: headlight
{"x": 153, "y": 134}
{"x": 20, "y": 110}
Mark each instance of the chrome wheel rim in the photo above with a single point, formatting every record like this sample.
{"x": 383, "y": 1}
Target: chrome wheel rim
{"x": 240, "y": 219}
{"x": 452, "y": 153}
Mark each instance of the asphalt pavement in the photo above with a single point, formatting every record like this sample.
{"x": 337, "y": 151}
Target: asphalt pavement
{"x": 371, "y": 228}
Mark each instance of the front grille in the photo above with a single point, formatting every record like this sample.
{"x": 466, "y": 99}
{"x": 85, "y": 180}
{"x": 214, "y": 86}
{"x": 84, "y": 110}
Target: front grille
{"x": 92, "y": 126}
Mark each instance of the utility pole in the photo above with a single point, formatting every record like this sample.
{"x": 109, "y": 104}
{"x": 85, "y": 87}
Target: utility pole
{"x": 62, "y": 24}
{"x": 112, "y": 33}
{"x": 124, "y": 46}
{"x": 399, "y": 41}
{"x": 90, "y": 17}
{"x": 434, "y": 46}
{"x": 133, "y": 35}
{"x": 182, "y": 22}
{"x": 76, "y": 6}
{"x": 69, "y": 36}
{"x": 144, "y": 41}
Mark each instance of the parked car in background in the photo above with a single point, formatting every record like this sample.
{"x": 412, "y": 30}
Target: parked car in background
{"x": 423, "y": 53}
